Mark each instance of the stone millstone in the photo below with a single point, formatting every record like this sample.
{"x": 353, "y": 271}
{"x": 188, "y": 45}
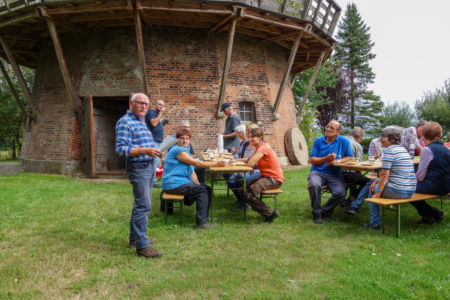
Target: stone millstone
{"x": 296, "y": 147}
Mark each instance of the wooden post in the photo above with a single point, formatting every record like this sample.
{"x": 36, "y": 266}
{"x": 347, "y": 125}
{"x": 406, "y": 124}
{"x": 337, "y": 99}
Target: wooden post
{"x": 62, "y": 64}
{"x": 226, "y": 67}
{"x": 285, "y": 76}
{"x": 140, "y": 44}
{"x": 22, "y": 83}
{"x": 311, "y": 82}
{"x": 283, "y": 6}
{"x": 306, "y": 6}
{"x": 13, "y": 91}
{"x": 89, "y": 136}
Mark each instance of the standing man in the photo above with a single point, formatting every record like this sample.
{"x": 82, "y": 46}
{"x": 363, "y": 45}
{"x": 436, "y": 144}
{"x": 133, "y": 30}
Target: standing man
{"x": 154, "y": 124}
{"x": 135, "y": 142}
{"x": 354, "y": 179}
{"x": 328, "y": 151}
{"x": 230, "y": 137}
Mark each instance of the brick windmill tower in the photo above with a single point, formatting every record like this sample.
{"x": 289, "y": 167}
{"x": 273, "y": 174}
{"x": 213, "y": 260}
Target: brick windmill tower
{"x": 90, "y": 55}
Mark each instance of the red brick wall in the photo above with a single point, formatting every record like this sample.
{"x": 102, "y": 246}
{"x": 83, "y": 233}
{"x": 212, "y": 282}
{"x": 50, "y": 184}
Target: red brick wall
{"x": 184, "y": 68}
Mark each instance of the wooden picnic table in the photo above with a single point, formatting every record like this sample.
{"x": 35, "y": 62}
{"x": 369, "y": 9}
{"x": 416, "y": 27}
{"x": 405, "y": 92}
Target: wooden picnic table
{"x": 366, "y": 166}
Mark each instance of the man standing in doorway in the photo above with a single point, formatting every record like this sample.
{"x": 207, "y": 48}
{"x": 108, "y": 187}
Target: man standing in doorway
{"x": 230, "y": 137}
{"x": 135, "y": 142}
{"x": 155, "y": 124}
{"x": 328, "y": 151}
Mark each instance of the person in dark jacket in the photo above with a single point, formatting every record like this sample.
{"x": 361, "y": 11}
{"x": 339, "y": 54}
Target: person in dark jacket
{"x": 433, "y": 173}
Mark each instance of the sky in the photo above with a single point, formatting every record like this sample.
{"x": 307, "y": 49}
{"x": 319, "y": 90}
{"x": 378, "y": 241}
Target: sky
{"x": 412, "y": 45}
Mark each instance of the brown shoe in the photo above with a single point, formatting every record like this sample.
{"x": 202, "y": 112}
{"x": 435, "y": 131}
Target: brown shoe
{"x": 148, "y": 252}
{"x": 132, "y": 244}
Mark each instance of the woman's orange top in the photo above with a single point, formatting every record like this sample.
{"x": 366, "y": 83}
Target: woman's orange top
{"x": 268, "y": 165}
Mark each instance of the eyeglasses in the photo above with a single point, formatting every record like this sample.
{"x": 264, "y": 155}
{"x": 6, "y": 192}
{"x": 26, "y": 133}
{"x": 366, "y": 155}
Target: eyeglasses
{"x": 141, "y": 103}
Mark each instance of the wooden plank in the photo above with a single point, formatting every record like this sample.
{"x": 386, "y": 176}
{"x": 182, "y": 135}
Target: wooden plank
{"x": 334, "y": 21}
{"x": 325, "y": 18}
{"x": 283, "y": 6}
{"x": 62, "y": 63}
{"x": 190, "y": 10}
{"x": 226, "y": 67}
{"x": 12, "y": 21}
{"x": 140, "y": 45}
{"x": 310, "y": 84}
{"x": 221, "y": 23}
{"x": 44, "y": 14}
{"x": 89, "y": 135}
{"x": 286, "y": 76}
{"x": 389, "y": 201}
{"x": 18, "y": 72}
{"x": 13, "y": 90}
{"x": 306, "y": 6}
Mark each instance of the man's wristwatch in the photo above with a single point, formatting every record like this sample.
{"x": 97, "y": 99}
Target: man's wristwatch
{"x": 339, "y": 161}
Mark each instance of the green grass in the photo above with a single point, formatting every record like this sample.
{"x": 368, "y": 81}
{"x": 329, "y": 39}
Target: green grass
{"x": 65, "y": 238}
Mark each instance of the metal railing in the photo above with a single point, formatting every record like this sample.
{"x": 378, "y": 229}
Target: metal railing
{"x": 324, "y": 14}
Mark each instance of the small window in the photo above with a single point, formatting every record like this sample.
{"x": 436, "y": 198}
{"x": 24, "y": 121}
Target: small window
{"x": 247, "y": 111}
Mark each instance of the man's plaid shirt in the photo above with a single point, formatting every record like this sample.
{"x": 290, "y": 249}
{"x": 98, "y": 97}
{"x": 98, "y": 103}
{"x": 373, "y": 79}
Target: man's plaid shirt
{"x": 132, "y": 133}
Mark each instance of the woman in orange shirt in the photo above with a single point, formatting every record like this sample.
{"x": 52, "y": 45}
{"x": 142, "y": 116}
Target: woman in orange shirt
{"x": 271, "y": 175}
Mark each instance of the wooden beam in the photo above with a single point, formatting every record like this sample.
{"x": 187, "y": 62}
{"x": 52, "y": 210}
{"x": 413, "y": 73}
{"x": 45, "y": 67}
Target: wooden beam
{"x": 22, "y": 82}
{"x": 226, "y": 67}
{"x": 325, "y": 18}
{"x": 188, "y": 10}
{"x": 306, "y": 6}
{"x": 45, "y": 15}
{"x": 140, "y": 45}
{"x": 310, "y": 84}
{"x": 12, "y": 21}
{"x": 62, "y": 64}
{"x": 286, "y": 76}
{"x": 283, "y": 6}
{"x": 13, "y": 90}
{"x": 221, "y": 23}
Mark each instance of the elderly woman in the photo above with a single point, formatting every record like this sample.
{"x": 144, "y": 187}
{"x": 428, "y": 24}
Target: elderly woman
{"x": 271, "y": 175}
{"x": 179, "y": 178}
{"x": 433, "y": 173}
{"x": 397, "y": 179}
{"x": 245, "y": 151}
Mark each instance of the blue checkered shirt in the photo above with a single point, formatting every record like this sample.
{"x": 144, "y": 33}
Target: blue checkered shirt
{"x": 132, "y": 133}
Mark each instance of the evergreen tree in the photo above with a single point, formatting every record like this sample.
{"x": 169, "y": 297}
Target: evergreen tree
{"x": 353, "y": 53}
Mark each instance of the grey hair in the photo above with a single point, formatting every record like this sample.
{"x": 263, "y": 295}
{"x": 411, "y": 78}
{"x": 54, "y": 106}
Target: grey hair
{"x": 184, "y": 122}
{"x": 340, "y": 126}
{"x": 240, "y": 128}
{"x": 393, "y": 134}
{"x": 421, "y": 123}
{"x": 133, "y": 97}
{"x": 357, "y": 132}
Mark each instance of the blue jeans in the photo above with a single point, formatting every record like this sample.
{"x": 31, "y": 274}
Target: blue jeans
{"x": 388, "y": 192}
{"x": 338, "y": 191}
{"x": 140, "y": 175}
{"x": 155, "y": 163}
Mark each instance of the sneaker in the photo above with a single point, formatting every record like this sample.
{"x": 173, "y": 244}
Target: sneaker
{"x": 326, "y": 216}
{"x": 350, "y": 210}
{"x": 269, "y": 219}
{"x": 206, "y": 226}
{"x": 371, "y": 226}
{"x": 157, "y": 186}
{"x": 149, "y": 252}
{"x": 132, "y": 244}
{"x": 317, "y": 218}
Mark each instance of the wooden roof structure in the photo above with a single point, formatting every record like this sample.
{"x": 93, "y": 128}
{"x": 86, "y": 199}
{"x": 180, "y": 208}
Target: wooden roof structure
{"x": 23, "y": 22}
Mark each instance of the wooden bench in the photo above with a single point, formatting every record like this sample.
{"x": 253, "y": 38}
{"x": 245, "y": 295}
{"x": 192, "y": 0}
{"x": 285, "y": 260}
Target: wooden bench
{"x": 394, "y": 204}
{"x": 173, "y": 199}
{"x": 271, "y": 194}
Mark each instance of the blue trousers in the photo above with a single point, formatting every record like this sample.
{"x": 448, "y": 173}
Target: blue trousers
{"x": 141, "y": 176}
{"x": 338, "y": 191}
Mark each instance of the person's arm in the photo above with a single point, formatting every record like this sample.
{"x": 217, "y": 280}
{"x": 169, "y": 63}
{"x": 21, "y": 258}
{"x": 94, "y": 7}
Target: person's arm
{"x": 425, "y": 159}
{"x": 154, "y": 122}
{"x": 185, "y": 158}
{"x": 317, "y": 161}
{"x": 194, "y": 178}
{"x": 254, "y": 159}
{"x": 231, "y": 135}
{"x": 341, "y": 160}
{"x": 384, "y": 175}
{"x": 144, "y": 150}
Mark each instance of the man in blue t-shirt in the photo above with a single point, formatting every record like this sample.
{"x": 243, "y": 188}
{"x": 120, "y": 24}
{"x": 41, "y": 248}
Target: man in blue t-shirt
{"x": 328, "y": 151}
{"x": 155, "y": 124}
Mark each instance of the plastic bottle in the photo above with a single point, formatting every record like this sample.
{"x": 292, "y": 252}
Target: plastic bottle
{"x": 220, "y": 143}
{"x": 411, "y": 150}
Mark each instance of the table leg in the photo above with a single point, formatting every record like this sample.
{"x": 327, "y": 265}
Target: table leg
{"x": 382, "y": 219}
{"x": 244, "y": 186}
{"x": 212, "y": 197}
{"x": 398, "y": 220}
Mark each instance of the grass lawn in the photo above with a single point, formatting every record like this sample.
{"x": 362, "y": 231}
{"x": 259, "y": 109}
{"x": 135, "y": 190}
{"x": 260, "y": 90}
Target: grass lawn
{"x": 65, "y": 238}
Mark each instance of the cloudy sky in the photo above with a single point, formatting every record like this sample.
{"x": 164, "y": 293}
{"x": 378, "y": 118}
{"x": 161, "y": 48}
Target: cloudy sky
{"x": 412, "y": 45}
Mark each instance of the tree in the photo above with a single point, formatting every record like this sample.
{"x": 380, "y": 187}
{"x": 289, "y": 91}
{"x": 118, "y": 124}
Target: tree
{"x": 353, "y": 52}
{"x": 12, "y": 120}
{"x": 398, "y": 113}
{"x": 436, "y": 106}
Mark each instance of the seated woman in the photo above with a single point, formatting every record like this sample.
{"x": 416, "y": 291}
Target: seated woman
{"x": 179, "y": 178}
{"x": 433, "y": 174}
{"x": 245, "y": 150}
{"x": 397, "y": 179}
{"x": 271, "y": 175}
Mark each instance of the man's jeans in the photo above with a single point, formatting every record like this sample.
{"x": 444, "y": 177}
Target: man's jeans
{"x": 338, "y": 191}
{"x": 140, "y": 175}
{"x": 155, "y": 162}
{"x": 388, "y": 192}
